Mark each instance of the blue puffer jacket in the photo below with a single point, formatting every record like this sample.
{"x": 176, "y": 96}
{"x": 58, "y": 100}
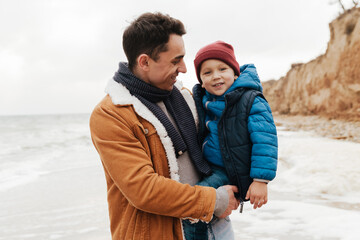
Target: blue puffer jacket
{"x": 247, "y": 147}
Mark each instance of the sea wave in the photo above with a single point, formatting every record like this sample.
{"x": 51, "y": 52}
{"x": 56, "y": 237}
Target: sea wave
{"x": 36, "y": 145}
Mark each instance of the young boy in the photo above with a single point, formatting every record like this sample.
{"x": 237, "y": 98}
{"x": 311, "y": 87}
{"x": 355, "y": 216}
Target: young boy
{"x": 236, "y": 128}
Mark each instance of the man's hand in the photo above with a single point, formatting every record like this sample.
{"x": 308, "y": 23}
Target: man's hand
{"x": 233, "y": 202}
{"x": 257, "y": 194}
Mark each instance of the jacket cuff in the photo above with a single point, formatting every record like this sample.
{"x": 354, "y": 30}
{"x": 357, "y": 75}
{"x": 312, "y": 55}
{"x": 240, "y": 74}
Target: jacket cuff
{"x": 261, "y": 180}
{"x": 207, "y": 208}
{"x": 222, "y": 201}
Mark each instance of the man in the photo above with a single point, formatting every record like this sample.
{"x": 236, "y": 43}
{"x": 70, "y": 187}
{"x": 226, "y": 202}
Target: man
{"x": 145, "y": 133}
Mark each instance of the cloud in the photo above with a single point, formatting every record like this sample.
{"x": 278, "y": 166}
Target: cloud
{"x": 56, "y": 56}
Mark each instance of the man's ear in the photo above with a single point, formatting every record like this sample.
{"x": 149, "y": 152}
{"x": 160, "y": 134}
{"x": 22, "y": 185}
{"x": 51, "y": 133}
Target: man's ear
{"x": 143, "y": 61}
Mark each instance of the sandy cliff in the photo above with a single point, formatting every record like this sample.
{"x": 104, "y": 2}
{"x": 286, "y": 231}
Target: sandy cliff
{"x": 328, "y": 85}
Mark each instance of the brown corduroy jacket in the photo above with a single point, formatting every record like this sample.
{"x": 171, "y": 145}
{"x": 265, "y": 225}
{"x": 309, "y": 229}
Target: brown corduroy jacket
{"x": 145, "y": 198}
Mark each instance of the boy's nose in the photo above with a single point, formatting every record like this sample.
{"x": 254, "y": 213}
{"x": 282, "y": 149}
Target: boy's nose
{"x": 216, "y": 75}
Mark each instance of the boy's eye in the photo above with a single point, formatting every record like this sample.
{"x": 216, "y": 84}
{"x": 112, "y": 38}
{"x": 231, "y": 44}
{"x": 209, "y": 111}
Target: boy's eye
{"x": 206, "y": 73}
{"x": 223, "y": 69}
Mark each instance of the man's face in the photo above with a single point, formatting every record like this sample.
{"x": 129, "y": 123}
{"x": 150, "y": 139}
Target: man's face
{"x": 163, "y": 72}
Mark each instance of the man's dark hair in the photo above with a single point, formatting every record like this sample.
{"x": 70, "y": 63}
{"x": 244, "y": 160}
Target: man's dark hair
{"x": 149, "y": 34}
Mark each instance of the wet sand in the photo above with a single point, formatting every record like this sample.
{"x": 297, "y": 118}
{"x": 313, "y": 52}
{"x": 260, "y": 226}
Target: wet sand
{"x": 71, "y": 204}
{"x": 65, "y": 205}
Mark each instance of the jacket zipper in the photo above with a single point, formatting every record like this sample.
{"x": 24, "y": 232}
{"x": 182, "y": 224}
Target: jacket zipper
{"x": 226, "y": 146}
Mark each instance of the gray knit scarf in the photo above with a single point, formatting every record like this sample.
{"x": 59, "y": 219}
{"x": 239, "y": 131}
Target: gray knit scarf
{"x": 176, "y": 105}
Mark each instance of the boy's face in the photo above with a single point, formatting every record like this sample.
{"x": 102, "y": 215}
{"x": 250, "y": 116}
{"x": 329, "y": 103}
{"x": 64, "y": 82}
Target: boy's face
{"x": 217, "y": 76}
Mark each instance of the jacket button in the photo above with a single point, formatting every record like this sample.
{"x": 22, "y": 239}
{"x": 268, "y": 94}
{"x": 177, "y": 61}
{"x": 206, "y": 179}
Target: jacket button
{"x": 146, "y": 131}
{"x": 180, "y": 153}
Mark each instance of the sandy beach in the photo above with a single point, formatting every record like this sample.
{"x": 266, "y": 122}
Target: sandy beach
{"x": 338, "y": 129}
{"x": 314, "y": 196}
{"x": 316, "y": 193}
{"x": 52, "y": 184}
{"x": 67, "y": 204}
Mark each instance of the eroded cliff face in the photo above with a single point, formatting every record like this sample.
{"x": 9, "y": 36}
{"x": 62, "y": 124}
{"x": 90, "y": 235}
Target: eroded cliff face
{"x": 328, "y": 85}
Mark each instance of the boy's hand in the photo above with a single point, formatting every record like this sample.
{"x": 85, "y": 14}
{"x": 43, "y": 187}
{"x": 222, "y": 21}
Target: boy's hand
{"x": 257, "y": 194}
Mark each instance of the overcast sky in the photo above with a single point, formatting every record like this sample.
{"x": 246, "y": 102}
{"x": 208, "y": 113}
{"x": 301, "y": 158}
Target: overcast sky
{"x": 56, "y": 56}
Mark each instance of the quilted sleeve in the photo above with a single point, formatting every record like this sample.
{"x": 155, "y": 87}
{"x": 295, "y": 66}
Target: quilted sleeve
{"x": 263, "y": 136}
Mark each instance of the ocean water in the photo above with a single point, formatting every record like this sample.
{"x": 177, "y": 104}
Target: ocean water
{"x": 31, "y": 146}
{"x": 52, "y": 185}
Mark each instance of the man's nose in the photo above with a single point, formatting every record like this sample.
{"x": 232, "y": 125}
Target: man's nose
{"x": 182, "y": 67}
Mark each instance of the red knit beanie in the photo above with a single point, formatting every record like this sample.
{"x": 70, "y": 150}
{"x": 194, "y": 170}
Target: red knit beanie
{"x": 218, "y": 50}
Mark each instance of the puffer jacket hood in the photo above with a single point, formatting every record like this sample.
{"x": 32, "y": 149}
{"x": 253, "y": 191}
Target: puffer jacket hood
{"x": 248, "y": 78}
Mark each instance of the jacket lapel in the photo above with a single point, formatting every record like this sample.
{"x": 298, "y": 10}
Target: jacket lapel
{"x": 121, "y": 96}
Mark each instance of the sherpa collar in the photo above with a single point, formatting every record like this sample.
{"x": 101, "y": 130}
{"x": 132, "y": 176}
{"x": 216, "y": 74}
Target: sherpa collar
{"x": 121, "y": 96}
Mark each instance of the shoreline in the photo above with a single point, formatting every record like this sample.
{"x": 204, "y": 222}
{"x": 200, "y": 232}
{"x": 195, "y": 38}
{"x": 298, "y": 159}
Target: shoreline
{"x": 67, "y": 200}
{"x": 68, "y": 204}
{"x": 330, "y": 128}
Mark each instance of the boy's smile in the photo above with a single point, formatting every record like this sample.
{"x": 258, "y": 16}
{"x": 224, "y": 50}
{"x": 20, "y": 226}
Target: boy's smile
{"x": 216, "y": 76}
{"x": 218, "y": 85}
